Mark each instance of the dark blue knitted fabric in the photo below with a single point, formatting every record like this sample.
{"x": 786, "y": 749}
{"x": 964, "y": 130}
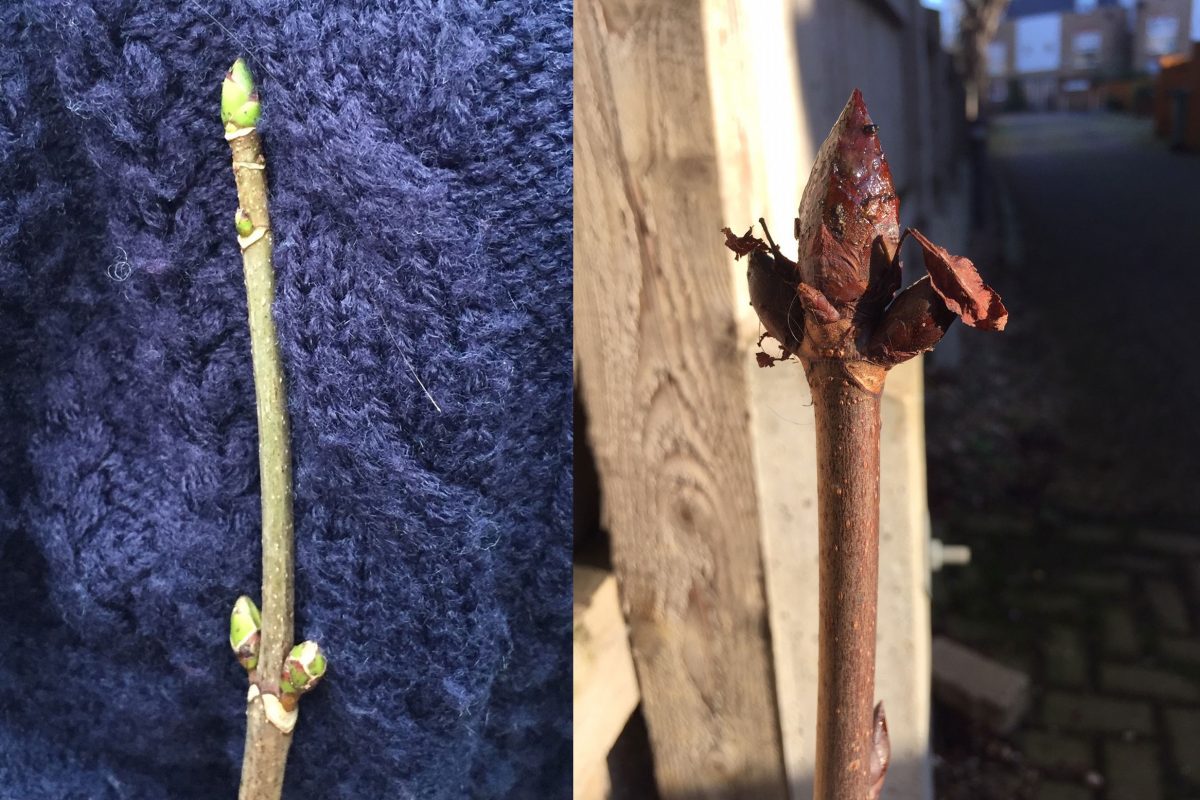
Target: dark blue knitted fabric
{"x": 420, "y": 176}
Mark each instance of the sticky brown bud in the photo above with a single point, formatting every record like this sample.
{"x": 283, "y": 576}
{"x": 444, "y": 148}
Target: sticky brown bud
{"x": 848, "y": 203}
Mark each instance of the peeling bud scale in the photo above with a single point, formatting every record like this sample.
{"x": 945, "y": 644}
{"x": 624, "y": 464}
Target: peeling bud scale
{"x": 840, "y": 294}
{"x": 960, "y": 287}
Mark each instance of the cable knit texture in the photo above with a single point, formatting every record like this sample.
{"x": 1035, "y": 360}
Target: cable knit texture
{"x": 420, "y": 177}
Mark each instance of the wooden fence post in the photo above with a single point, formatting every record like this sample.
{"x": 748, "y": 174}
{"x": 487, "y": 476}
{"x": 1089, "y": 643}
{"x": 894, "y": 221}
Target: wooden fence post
{"x": 663, "y": 379}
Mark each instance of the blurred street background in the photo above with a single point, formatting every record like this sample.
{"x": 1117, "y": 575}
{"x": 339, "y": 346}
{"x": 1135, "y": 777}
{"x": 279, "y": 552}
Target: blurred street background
{"x": 1065, "y": 455}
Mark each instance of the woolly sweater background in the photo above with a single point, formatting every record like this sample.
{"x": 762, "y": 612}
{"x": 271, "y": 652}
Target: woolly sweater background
{"x": 419, "y": 158}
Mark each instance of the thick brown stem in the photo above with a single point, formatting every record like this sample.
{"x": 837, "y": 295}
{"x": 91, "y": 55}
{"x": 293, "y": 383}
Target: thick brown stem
{"x": 847, "y": 427}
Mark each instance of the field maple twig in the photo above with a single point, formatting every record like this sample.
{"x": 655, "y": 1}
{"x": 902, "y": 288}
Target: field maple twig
{"x": 279, "y": 673}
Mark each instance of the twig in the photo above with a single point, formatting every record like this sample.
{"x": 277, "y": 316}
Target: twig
{"x": 848, "y": 328}
{"x": 276, "y": 683}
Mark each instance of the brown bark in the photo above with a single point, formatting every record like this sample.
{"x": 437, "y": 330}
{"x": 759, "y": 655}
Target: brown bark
{"x": 265, "y": 755}
{"x": 847, "y": 428}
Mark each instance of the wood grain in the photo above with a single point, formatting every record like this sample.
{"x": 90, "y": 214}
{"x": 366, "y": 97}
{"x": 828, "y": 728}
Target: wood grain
{"x": 663, "y": 382}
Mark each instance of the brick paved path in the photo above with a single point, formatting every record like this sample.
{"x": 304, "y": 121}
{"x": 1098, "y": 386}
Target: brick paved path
{"x": 1104, "y": 618}
{"x": 1067, "y": 454}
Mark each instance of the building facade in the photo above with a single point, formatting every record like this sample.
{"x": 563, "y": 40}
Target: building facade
{"x": 1057, "y": 54}
{"x": 1162, "y": 28}
{"x": 1053, "y": 55}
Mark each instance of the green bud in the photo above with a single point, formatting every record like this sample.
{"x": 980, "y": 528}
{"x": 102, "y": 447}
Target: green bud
{"x": 240, "y": 107}
{"x": 303, "y": 668}
{"x": 245, "y": 630}
{"x": 243, "y": 223}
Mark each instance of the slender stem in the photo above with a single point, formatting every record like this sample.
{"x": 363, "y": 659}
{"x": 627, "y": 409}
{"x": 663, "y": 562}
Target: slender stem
{"x": 274, "y": 449}
{"x": 266, "y": 743}
{"x": 847, "y": 428}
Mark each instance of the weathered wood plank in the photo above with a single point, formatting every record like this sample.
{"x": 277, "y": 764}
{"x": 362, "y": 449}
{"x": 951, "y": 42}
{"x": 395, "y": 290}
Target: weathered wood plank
{"x": 663, "y": 381}
{"x": 605, "y": 690}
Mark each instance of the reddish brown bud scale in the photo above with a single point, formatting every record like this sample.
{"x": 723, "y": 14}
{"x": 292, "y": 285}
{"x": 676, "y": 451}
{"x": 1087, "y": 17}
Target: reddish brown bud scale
{"x": 744, "y": 244}
{"x": 817, "y": 305}
{"x": 836, "y": 268}
{"x": 881, "y": 752}
{"x": 960, "y": 286}
{"x": 915, "y": 321}
{"x": 885, "y": 277}
{"x": 773, "y": 295}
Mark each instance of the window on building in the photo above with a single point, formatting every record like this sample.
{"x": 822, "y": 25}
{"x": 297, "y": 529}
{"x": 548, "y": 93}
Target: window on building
{"x": 1162, "y": 35}
{"x": 1084, "y": 6}
{"x": 997, "y": 58}
{"x": 1038, "y": 43}
{"x": 1085, "y": 50}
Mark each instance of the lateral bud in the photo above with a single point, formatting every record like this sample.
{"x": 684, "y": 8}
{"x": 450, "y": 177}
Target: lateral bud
{"x": 881, "y": 752}
{"x": 243, "y": 223}
{"x": 302, "y": 671}
{"x": 245, "y": 632}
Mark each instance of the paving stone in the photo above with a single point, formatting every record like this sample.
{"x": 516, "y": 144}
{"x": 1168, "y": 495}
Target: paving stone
{"x": 1100, "y": 582}
{"x": 979, "y": 687}
{"x": 1120, "y": 633}
{"x": 1091, "y": 713}
{"x": 1056, "y": 751}
{"x": 1047, "y": 603}
{"x": 1148, "y": 565}
{"x": 1183, "y": 726}
{"x": 974, "y": 631}
{"x": 1186, "y": 650}
{"x": 1057, "y": 790}
{"x": 1066, "y": 658}
{"x": 1093, "y": 534}
{"x": 996, "y": 524}
{"x": 1147, "y": 682}
{"x": 1168, "y": 605}
{"x": 1019, "y": 660}
{"x": 1133, "y": 771}
{"x": 1171, "y": 542}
